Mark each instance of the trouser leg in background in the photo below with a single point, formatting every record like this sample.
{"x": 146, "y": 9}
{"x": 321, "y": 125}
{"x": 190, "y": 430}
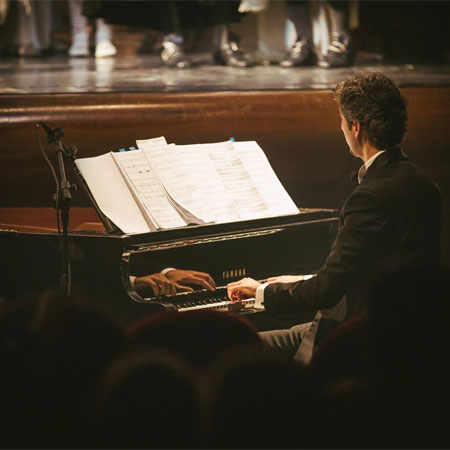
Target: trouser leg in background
{"x": 285, "y": 343}
{"x": 298, "y": 14}
{"x": 296, "y": 343}
{"x": 338, "y": 14}
{"x": 302, "y": 52}
{"x": 80, "y": 31}
{"x": 103, "y": 39}
{"x": 340, "y": 50}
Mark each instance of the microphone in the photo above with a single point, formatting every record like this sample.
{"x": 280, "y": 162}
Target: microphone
{"x": 46, "y": 128}
{"x": 54, "y": 136}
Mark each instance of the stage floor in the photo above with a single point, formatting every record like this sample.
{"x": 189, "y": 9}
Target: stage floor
{"x": 61, "y": 74}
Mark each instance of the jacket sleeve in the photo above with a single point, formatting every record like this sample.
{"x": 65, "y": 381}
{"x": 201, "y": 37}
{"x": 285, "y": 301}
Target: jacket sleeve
{"x": 362, "y": 238}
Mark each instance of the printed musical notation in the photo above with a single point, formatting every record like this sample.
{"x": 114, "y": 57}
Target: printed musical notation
{"x": 163, "y": 185}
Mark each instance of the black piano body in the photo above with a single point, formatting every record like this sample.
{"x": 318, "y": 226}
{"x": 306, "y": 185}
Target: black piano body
{"x": 101, "y": 262}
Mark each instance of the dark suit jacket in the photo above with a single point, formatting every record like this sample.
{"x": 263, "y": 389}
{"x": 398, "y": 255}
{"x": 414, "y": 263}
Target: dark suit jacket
{"x": 394, "y": 216}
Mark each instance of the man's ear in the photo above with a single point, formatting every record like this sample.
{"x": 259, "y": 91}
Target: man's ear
{"x": 358, "y": 132}
{"x": 356, "y": 127}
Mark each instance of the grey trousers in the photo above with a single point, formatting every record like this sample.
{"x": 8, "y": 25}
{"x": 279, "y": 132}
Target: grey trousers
{"x": 295, "y": 343}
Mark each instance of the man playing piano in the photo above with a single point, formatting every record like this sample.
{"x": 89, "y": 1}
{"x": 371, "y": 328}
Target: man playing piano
{"x": 393, "y": 216}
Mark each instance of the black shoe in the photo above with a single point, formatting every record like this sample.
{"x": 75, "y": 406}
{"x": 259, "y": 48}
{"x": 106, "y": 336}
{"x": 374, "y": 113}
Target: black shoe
{"x": 230, "y": 55}
{"x": 340, "y": 52}
{"x": 174, "y": 56}
{"x": 300, "y": 54}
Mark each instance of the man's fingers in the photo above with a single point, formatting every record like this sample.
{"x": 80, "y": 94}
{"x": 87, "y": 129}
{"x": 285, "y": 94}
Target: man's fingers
{"x": 199, "y": 282}
{"x": 211, "y": 286}
{"x": 181, "y": 288}
{"x": 202, "y": 279}
{"x": 207, "y": 277}
{"x": 234, "y": 284}
{"x": 233, "y": 291}
{"x": 245, "y": 288}
{"x": 166, "y": 288}
{"x": 155, "y": 288}
{"x": 154, "y": 285}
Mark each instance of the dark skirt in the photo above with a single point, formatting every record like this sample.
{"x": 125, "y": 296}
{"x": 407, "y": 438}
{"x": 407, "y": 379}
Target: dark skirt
{"x": 165, "y": 16}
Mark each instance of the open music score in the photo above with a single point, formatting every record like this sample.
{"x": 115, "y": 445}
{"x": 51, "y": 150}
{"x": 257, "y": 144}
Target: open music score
{"x": 163, "y": 186}
{"x": 148, "y": 191}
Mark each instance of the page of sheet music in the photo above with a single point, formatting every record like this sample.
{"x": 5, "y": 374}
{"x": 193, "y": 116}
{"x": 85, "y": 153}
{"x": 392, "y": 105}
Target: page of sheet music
{"x": 148, "y": 189}
{"x": 178, "y": 181}
{"x": 237, "y": 180}
{"x": 161, "y": 142}
{"x": 264, "y": 178}
{"x": 112, "y": 193}
{"x": 158, "y": 141}
{"x": 219, "y": 202}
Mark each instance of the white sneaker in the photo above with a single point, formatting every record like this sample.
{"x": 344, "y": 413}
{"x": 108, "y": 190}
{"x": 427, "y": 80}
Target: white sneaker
{"x": 104, "y": 49}
{"x": 80, "y": 45}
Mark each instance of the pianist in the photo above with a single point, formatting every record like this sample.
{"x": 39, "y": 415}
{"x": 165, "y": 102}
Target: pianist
{"x": 394, "y": 215}
{"x": 171, "y": 280}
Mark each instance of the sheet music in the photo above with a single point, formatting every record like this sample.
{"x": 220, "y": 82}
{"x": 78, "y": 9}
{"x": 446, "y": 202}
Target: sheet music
{"x": 237, "y": 180}
{"x": 157, "y": 142}
{"x": 112, "y": 193}
{"x": 148, "y": 189}
{"x": 219, "y": 202}
{"x": 163, "y": 186}
{"x": 178, "y": 181}
{"x": 264, "y": 178}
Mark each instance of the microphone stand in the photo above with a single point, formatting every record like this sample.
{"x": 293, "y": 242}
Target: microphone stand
{"x": 63, "y": 198}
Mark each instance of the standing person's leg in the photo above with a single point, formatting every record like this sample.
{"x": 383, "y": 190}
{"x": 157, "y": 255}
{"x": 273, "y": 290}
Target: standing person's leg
{"x": 226, "y": 50}
{"x": 42, "y": 16}
{"x": 340, "y": 51}
{"x": 302, "y": 52}
{"x": 79, "y": 31}
{"x": 172, "y": 53}
{"x": 103, "y": 39}
{"x": 27, "y": 39}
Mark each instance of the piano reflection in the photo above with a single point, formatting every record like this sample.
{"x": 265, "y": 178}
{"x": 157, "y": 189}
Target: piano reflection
{"x": 102, "y": 262}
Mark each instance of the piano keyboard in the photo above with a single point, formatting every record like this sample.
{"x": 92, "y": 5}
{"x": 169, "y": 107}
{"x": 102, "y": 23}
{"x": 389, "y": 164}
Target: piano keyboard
{"x": 224, "y": 305}
{"x": 212, "y": 300}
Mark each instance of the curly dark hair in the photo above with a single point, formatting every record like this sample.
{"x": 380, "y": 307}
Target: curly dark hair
{"x": 376, "y": 103}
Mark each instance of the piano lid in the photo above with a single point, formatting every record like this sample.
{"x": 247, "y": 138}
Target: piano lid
{"x": 85, "y": 222}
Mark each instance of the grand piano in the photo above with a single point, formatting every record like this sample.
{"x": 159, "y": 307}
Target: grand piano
{"x": 102, "y": 262}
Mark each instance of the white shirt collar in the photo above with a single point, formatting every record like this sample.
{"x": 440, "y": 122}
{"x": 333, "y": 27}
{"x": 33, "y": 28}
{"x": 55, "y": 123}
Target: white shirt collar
{"x": 363, "y": 169}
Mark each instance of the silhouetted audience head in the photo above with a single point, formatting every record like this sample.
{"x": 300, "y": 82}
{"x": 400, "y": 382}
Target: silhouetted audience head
{"x": 385, "y": 374}
{"x": 382, "y": 375}
{"x": 148, "y": 399}
{"x": 198, "y": 336}
{"x": 408, "y": 332}
{"x": 256, "y": 400}
{"x": 52, "y": 353}
{"x": 408, "y": 339}
{"x": 342, "y": 354}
